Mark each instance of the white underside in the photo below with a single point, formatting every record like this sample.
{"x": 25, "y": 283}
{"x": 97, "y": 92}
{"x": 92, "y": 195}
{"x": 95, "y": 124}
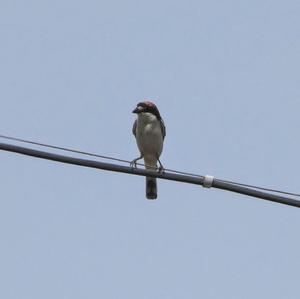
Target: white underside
{"x": 149, "y": 137}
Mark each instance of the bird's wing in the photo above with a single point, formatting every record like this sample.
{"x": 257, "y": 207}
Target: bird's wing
{"x": 134, "y": 128}
{"x": 163, "y": 128}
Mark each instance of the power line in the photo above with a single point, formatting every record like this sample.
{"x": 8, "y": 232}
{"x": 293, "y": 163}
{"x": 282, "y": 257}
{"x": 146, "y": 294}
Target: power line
{"x": 87, "y": 153}
{"x": 205, "y": 181}
{"x": 140, "y": 164}
{"x": 261, "y": 188}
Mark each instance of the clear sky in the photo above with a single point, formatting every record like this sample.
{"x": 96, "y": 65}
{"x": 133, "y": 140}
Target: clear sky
{"x": 225, "y": 76}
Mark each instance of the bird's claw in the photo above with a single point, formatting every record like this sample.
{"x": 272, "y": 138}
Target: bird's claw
{"x": 133, "y": 164}
{"x": 161, "y": 169}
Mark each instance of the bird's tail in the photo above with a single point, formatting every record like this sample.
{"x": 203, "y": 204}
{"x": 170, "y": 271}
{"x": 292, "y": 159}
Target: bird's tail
{"x": 151, "y": 185}
{"x": 151, "y": 188}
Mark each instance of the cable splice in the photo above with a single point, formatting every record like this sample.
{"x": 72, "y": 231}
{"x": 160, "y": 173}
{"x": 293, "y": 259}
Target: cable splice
{"x": 208, "y": 181}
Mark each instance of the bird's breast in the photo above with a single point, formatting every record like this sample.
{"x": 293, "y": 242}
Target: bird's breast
{"x": 149, "y": 138}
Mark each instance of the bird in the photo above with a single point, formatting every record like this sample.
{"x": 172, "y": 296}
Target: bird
{"x": 150, "y": 131}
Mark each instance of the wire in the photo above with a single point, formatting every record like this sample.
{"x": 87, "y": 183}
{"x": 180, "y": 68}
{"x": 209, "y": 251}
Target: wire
{"x": 140, "y": 164}
{"x": 149, "y": 173}
{"x": 261, "y": 188}
{"x": 90, "y": 154}
{"x": 62, "y": 148}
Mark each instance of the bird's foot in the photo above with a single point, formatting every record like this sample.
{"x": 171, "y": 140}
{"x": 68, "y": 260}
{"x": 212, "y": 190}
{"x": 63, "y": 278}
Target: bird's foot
{"x": 133, "y": 163}
{"x": 161, "y": 169}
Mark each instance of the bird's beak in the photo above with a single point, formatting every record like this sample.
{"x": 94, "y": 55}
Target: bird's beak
{"x": 138, "y": 109}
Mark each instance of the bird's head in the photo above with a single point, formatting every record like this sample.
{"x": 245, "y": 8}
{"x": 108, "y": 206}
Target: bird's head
{"x": 147, "y": 107}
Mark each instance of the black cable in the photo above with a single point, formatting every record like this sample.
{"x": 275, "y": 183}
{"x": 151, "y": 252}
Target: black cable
{"x": 261, "y": 188}
{"x": 90, "y": 154}
{"x": 150, "y": 173}
{"x": 140, "y": 164}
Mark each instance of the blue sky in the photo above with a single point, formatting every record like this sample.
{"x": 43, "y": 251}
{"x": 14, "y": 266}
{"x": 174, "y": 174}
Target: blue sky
{"x": 225, "y": 76}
